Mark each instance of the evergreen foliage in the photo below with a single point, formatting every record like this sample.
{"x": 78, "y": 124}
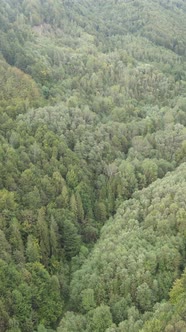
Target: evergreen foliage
{"x": 92, "y": 165}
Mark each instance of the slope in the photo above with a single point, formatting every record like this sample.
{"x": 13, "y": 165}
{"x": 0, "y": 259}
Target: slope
{"x": 92, "y": 108}
{"x": 133, "y": 265}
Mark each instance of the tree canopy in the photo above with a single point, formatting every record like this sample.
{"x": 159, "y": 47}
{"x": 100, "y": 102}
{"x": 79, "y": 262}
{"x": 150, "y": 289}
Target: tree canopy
{"x": 92, "y": 165}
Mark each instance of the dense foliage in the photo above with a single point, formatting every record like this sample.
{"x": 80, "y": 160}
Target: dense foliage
{"x": 92, "y": 165}
{"x": 139, "y": 254}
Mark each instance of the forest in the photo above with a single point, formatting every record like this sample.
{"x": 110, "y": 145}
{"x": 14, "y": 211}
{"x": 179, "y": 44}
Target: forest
{"x": 92, "y": 166}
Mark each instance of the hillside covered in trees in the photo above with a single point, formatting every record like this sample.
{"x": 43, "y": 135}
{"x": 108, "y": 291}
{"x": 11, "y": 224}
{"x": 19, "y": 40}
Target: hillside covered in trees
{"x": 92, "y": 166}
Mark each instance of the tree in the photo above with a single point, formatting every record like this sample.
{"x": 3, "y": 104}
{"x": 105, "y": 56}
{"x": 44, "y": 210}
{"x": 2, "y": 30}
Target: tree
{"x": 33, "y": 252}
{"x": 16, "y": 241}
{"x": 54, "y": 237}
{"x": 70, "y": 239}
{"x": 42, "y": 228}
{"x": 144, "y": 297}
{"x": 88, "y": 301}
{"x": 72, "y": 323}
{"x": 4, "y": 317}
{"x": 101, "y": 318}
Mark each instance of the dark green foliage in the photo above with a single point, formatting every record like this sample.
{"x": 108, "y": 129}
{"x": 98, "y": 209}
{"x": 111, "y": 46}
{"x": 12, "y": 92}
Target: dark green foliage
{"x": 138, "y": 255}
{"x": 92, "y": 114}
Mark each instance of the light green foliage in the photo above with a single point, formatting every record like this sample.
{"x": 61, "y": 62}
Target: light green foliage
{"x": 171, "y": 315}
{"x": 7, "y": 201}
{"x": 18, "y": 90}
{"x": 88, "y": 301}
{"x": 101, "y": 318}
{"x": 92, "y": 109}
{"x": 141, "y": 262}
{"x": 72, "y": 323}
{"x": 33, "y": 250}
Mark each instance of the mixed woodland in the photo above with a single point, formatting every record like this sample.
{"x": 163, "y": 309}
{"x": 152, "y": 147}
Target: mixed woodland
{"x": 92, "y": 166}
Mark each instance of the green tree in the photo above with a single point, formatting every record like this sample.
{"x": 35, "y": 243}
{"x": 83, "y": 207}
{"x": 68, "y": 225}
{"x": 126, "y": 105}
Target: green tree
{"x": 101, "y": 318}
{"x": 54, "y": 237}
{"x": 43, "y": 232}
{"x": 72, "y": 323}
{"x": 88, "y": 301}
{"x": 33, "y": 252}
{"x": 70, "y": 239}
